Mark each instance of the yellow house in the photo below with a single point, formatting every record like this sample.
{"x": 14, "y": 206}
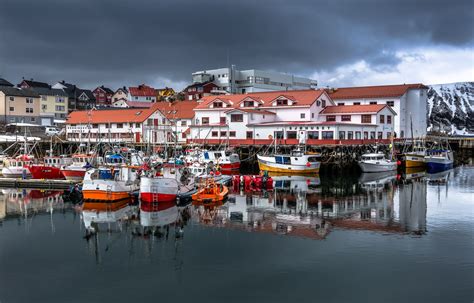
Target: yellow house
{"x": 19, "y": 105}
{"x": 53, "y": 105}
{"x": 164, "y": 93}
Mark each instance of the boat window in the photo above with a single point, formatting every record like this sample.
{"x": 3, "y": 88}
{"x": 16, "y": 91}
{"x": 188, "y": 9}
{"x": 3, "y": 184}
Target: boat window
{"x": 312, "y": 159}
{"x": 279, "y": 159}
{"x": 206, "y": 155}
{"x": 286, "y": 160}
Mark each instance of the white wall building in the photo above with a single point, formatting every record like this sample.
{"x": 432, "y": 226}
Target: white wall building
{"x": 231, "y": 80}
{"x": 409, "y": 101}
{"x": 134, "y": 125}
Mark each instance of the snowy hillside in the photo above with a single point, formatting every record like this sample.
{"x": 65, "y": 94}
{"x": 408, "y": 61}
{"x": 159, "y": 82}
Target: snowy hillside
{"x": 451, "y": 108}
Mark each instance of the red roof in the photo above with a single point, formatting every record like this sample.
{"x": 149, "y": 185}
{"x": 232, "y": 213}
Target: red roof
{"x": 139, "y": 104}
{"x": 380, "y": 91}
{"x": 302, "y": 97}
{"x": 349, "y": 109}
{"x": 184, "y": 109}
{"x": 119, "y": 115}
{"x": 142, "y": 91}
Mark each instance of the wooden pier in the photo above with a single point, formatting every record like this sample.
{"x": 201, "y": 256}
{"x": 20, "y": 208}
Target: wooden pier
{"x": 36, "y": 183}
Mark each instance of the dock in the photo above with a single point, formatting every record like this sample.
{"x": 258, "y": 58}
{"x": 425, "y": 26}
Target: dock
{"x": 36, "y": 183}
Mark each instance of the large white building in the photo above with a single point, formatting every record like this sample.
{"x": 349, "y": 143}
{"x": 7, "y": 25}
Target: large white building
{"x": 231, "y": 80}
{"x": 291, "y": 117}
{"x": 409, "y": 101}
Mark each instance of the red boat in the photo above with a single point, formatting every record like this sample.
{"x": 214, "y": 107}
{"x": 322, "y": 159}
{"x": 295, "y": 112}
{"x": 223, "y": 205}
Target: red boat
{"x": 50, "y": 169}
{"x": 80, "y": 163}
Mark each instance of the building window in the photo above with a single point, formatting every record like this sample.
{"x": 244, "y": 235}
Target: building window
{"x": 342, "y": 135}
{"x": 29, "y": 110}
{"x": 33, "y": 119}
{"x": 236, "y": 118}
{"x": 278, "y": 134}
{"x": 330, "y": 118}
{"x": 44, "y": 98}
{"x": 372, "y": 135}
{"x": 373, "y": 102}
{"x": 205, "y": 120}
{"x": 222, "y": 120}
{"x": 302, "y": 115}
{"x": 366, "y": 135}
{"x": 95, "y": 125}
{"x": 184, "y": 122}
{"x": 340, "y": 104}
{"x": 350, "y": 135}
{"x": 382, "y": 119}
{"x": 223, "y": 134}
{"x": 389, "y": 119}
{"x": 218, "y": 105}
{"x": 60, "y": 108}
{"x": 346, "y": 118}
{"x": 402, "y": 134}
{"x": 356, "y": 103}
{"x": 12, "y": 98}
{"x": 313, "y": 135}
{"x": 248, "y": 103}
{"x": 12, "y": 109}
{"x": 327, "y": 135}
{"x": 29, "y": 100}
{"x": 391, "y": 103}
{"x": 232, "y": 133}
{"x": 282, "y": 102}
{"x": 312, "y": 115}
{"x": 137, "y": 125}
{"x": 358, "y": 136}
{"x": 323, "y": 103}
{"x": 291, "y": 135}
{"x": 380, "y": 135}
{"x": 366, "y": 118}
{"x": 44, "y": 106}
{"x": 119, "y": 125}
{"x": 59, "y": 99}
{"x": 249, "y": 135}
{"x": 215, "y": 133}
{"x": 318, "y": 103}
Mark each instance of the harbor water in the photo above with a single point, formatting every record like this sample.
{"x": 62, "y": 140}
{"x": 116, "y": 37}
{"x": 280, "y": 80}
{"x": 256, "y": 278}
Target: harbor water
{"x": 328, "y": 238}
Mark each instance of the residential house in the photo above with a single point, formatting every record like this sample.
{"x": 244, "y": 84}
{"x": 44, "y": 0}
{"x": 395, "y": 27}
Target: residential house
{"x": 19, "y": 105}
{"x": 118, "y": 125}
{"x": 163, "y": 94}
{"x": 141, "y": 93}
{"x": 53, "y": 105}
{"x": 78, "y": 98}
{"x": 31, "y": 84}
{"x": 407, "y": 100}
{"x": 181, "y": 116}
{"x": 120, "y": 94}
{"x": 128, "y": 104}
{"x": 196, "y": 91}
{"x": 4, "y": 82}
{"x": 103, "y": 96}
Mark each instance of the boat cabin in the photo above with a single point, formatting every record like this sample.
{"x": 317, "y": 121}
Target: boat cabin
{"x": 375, "y": 157}
{"x": 57, "y": 161}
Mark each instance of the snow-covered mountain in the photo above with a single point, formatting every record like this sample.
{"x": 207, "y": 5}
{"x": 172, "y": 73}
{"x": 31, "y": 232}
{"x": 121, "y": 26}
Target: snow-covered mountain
{"x": 451, "y": 108}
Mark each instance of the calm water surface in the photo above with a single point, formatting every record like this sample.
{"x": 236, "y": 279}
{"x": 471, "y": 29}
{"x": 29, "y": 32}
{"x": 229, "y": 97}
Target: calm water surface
{"x": 369, "y": 238}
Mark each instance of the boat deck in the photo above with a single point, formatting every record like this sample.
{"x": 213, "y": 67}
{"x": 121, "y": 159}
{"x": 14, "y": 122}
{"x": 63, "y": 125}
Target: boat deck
{"x": 37, "y": 183}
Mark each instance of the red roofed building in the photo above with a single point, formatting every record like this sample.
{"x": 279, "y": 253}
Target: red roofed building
{"x": 131, "y": 125}
{"x": 409, "y": 101}
{"x": 181, "y": 115}
{"x": 141, "y": 93}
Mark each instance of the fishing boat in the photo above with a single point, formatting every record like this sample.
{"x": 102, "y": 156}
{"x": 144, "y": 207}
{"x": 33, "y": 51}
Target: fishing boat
{"x": 224, "y": 160}
{"x": 158, "y": 189}
{"x": 80, "y": 164}
{"x": 297, "y": 161}
{"x": 210, "y": 191}
{"x": 110, "y": 183}
{"x": 376, "y": 162}
{"x": 50, "y": 168}
{"x": 439, "y": 160}
{"x": 414, "y": 157}
{"x": 17, "y": 167}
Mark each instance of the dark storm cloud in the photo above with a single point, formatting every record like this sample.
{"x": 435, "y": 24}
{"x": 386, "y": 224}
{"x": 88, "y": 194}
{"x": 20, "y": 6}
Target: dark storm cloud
{"x": 126, "y": 42}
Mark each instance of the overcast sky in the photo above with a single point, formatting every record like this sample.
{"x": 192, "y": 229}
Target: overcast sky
{"x": 339, "y": 43}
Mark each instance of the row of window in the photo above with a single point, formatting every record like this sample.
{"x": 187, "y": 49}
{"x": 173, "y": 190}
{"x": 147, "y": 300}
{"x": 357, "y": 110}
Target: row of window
{"x": 389, "y": 103}
{"x": 325, "y": 135}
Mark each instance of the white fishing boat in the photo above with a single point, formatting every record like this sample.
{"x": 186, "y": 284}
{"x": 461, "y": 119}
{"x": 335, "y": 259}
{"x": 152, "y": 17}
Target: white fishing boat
{"x": 297, "y": 161}
{"x": 376, "y": 162}
{"x": 17, "y": 167}
{"x": 224, "y": 160}
{"x": 110, "y": 183}
{"x": 158, "y": 189}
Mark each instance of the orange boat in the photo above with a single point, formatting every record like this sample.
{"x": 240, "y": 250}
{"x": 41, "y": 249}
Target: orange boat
{"x": 210, "y": 191}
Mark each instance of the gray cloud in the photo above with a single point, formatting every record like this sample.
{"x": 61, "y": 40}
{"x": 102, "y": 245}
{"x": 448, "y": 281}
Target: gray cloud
{"x": 119, "y": 42}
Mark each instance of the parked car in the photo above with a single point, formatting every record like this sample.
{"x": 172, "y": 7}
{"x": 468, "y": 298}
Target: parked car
{"x": 51, "y": 131}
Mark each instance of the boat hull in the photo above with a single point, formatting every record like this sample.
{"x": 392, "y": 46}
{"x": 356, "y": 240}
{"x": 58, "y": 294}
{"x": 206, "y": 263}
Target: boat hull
{"x": 265, "y": 164}
{"x": 438, "y": 166}
{"x": 73, "y": 174}
{"x": 409, "y": 160}
{"x": 158, "y": 189}
{"x": 377, "y": 168}
{"x": 229, "y": 167}
{"x": 100, "y": 195}
{"x": 45, "y": 172}
{"x": 200, "y": 196}
{"x": 17, "y": 172}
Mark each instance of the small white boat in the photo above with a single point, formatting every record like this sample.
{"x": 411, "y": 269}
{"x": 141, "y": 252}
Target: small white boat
{"x": 110, "y": 183}
{"x": 296, "y": 162}
{"x": 374, "y": 163}
{"x": 17, "y": 167}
